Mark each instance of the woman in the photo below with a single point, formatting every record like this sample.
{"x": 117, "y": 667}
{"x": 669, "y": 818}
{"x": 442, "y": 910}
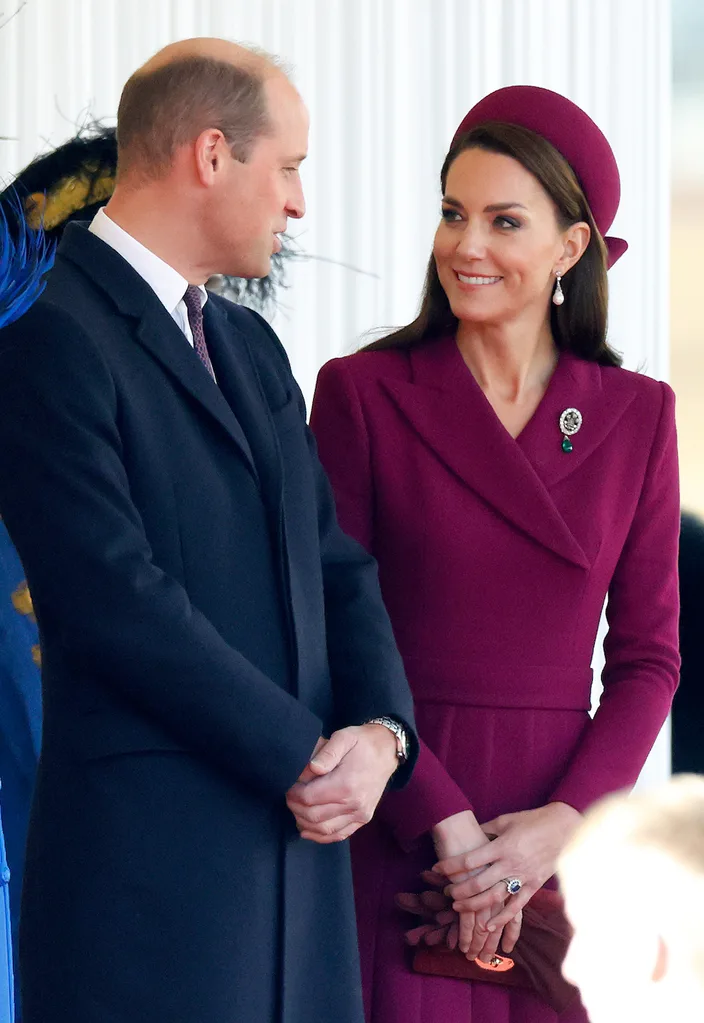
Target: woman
{"x": 507, "y": 474}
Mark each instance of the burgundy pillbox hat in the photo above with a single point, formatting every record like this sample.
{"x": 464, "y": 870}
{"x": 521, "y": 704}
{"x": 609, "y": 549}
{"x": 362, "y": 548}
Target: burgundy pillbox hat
{"x": 566, "y": 127}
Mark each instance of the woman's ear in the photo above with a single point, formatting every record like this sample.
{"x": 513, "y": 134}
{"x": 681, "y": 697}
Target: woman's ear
{"x": 575, "y": 240}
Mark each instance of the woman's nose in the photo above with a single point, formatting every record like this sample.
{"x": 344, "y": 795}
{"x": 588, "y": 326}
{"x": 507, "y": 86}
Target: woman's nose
{"x": 473, "y": 242}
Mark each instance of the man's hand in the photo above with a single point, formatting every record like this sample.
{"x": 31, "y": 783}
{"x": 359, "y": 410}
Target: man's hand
{"x": 349, "y": 774}
{"x": 307, "y": 774}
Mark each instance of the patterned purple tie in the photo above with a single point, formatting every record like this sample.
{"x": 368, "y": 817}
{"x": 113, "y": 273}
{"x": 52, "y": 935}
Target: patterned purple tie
{"x": 192, "y": 299}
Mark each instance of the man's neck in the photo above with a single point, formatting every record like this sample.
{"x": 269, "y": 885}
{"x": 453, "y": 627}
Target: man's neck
{"x": 143, "y": 214}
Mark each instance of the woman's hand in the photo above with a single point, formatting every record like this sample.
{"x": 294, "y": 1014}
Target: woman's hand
{"x": 440, "y": 923}
{"x": 505, "y": 937}
{"x": 455, "y": 835}
{"x": 527, "y": 846}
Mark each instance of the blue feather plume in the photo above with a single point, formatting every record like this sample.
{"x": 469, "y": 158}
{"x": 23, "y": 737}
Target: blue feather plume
{"x": 25, "y": 257}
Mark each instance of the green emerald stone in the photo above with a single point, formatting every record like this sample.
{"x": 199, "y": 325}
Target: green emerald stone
{"x": 567, "y": 445}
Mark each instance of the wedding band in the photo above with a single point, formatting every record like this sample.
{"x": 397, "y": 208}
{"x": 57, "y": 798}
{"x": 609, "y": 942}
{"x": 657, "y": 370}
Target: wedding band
{"x": 513, "y": 885}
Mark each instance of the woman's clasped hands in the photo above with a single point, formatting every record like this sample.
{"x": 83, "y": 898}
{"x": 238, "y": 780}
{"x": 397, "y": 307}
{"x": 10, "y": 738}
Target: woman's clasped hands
{"x": 523, "y": 846}
{"x": 454, "y": 839}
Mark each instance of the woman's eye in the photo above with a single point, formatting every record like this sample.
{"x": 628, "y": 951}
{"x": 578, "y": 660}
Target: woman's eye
{"x": 449, "y": 215}
{"x": 505, "y": 222}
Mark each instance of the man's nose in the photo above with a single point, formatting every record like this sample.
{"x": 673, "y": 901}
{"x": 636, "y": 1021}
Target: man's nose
{"x": 296, "y": 203}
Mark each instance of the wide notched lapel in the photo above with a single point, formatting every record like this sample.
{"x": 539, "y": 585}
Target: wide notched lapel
{"x": 155, "y": 330}
{"x": 578, "y": 384}
{"x": 237, "y": 376}
{"x": 450, "y": 414}
{"x": 234, "y": 364}
{"x": 161, "y": 336}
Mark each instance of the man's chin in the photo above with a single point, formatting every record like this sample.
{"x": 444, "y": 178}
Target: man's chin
{"x": 251, "y": 272}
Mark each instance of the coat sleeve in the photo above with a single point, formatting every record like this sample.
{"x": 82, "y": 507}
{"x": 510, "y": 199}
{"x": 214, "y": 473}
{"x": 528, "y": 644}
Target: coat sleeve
{"x": 641, "y": 647}
{"x": 337, "y": 419}
{"x": 65, "y": 496}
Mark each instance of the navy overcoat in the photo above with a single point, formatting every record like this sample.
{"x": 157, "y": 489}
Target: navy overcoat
{"x": 202, "y": 621}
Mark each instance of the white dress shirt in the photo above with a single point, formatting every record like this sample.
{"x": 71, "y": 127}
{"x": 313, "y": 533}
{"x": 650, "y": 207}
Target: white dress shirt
{"x": 167, "y": 283}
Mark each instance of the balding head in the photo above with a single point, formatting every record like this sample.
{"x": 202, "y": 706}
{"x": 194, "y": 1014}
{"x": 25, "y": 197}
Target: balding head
{"x": 184, "y": 89}
{"x": 211, "y": 137}
{"x": 221, "y": 50}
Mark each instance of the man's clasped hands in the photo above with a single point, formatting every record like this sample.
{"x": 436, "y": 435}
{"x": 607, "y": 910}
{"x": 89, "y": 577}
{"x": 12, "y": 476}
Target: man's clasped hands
{"x": 339, "y": 790}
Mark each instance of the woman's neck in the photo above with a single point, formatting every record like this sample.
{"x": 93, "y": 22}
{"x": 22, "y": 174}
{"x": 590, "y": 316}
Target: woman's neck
{"x": 508, "y": 362}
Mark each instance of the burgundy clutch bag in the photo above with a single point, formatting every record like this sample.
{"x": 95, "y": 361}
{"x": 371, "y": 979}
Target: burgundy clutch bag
{"x": 535, "y": 962}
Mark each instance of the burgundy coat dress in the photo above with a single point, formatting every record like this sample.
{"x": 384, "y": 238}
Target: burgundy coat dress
{"x": 495, "y": 557}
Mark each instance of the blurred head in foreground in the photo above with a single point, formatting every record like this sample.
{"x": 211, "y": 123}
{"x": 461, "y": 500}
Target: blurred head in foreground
{"x": 633, "y": 880}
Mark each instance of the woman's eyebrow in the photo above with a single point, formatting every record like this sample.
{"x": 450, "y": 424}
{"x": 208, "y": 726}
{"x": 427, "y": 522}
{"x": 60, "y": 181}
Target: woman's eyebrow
{"x": 497, "y": 207}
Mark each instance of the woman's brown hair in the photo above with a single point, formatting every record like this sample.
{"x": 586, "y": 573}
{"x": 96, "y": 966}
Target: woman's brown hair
{"x": 579, "y": 324}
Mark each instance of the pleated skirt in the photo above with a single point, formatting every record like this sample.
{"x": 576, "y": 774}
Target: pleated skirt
{"x": 505, "y": 760}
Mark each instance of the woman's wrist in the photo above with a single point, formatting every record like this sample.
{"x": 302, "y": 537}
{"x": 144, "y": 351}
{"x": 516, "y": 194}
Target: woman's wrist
{"x": 564, "y": 821}
{"x": 569, "y": 818}
{"x": 460, "y": 832}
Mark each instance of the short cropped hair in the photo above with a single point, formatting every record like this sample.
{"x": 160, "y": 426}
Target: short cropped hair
{"x": 164, "y": 109}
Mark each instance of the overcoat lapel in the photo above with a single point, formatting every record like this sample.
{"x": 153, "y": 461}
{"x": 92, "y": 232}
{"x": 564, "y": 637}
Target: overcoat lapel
{"x": 450, "y": 413}
{"x": 161, "y": 336}
{"x": 236, "y": 370}
{"x": 155, "y": 330}
{"x": 238, "y": 378}
{"x": 237, "y": 401}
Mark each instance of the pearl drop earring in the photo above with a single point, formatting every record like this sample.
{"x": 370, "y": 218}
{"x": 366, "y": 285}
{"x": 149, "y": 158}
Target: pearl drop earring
{"x": 557, "y": 295}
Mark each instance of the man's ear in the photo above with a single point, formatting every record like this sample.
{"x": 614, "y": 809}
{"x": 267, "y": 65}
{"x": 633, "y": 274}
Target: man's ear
{"x": 207, "y": 150}
{"x": 660, "y": 968}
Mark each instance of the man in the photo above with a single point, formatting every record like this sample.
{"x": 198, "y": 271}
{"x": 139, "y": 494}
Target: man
{"x": 58, "y": 187}
{"x": 203, "y": 621}
{"x": 633, "y": 879}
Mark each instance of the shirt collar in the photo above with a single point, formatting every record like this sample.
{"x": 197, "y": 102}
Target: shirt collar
{"x": 167, "y": 283}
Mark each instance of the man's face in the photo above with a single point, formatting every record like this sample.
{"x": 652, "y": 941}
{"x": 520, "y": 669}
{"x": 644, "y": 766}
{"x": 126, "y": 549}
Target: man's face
{"x": 253, "y": 200}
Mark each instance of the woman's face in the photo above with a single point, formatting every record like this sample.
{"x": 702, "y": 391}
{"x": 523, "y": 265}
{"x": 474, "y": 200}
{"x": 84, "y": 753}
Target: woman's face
{"x": 498, "y": 243}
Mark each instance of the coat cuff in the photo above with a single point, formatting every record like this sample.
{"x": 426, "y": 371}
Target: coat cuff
{"x": 430, "y": 796}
